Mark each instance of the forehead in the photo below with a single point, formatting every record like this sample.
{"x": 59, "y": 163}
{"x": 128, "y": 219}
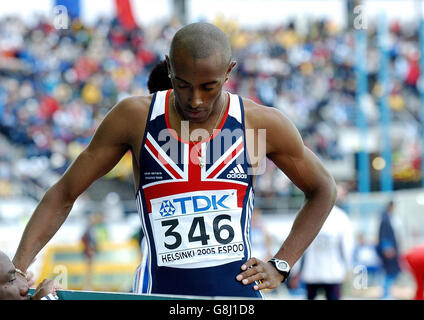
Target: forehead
{"x": 199, "y": 69}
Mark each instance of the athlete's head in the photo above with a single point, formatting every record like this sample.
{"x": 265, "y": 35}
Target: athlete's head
{"x": 12, "y": 286}
{"x": 199, "y": 63}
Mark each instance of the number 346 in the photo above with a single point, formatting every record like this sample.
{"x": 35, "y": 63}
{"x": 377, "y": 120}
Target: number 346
{"x": 198, "y": 223}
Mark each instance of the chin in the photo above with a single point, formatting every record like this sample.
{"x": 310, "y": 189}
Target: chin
{"x": 201, "y": 117}
{"x": 197, "y": 120}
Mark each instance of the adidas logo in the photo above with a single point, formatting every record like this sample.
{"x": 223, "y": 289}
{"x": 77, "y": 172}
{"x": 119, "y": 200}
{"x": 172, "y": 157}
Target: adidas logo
{"x": 237, "y": 173}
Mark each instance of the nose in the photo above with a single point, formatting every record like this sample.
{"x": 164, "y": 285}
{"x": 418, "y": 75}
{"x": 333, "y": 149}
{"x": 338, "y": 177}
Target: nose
{"x": 196, "y": 99}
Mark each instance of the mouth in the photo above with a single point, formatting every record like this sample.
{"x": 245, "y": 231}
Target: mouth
{"x": 194, "y": 114}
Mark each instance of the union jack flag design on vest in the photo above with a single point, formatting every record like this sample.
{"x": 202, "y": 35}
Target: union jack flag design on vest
{"x": 195, "y": 218}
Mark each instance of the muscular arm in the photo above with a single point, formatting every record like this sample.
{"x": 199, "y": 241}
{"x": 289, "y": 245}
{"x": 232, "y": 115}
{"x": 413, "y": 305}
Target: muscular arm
{"x": 306, "y": 171}
{"x": 286, "y": 149}
{"x": 110, "y": 142}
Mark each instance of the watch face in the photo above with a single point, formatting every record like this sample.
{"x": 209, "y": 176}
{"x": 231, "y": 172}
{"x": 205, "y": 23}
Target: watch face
{"x": 282, "y": 265}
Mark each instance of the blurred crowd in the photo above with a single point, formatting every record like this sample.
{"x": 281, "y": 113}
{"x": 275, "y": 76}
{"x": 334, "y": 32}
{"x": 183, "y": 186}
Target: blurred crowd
{"x": 57, "y": 85}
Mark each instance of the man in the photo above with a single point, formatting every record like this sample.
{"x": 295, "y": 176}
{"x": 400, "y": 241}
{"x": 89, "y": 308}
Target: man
{"x": 328, "y": 259}
{"x": 14, "y": 283}
{"x": 194, "y": 180}
{"x": 387, "y": 249}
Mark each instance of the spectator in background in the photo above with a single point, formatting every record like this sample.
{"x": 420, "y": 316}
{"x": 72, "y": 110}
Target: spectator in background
{"x": 90, "y": 248}
{"x": 261, "y": 239}
{"x": 387, "y": 249}
{"x": 365, "y": 256}
{"x": 93, "y": 236}
{"x": 158, "y": 78}
{"x": 326, "y": 262}
{"x": 14, "y": 284}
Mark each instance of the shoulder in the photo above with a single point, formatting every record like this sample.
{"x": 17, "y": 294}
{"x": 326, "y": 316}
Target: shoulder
{"x": 124, "y": 121}
{"x": 134, "y": 106}
{"x": 129, "y": 112}
{"x": 280, "y": 131}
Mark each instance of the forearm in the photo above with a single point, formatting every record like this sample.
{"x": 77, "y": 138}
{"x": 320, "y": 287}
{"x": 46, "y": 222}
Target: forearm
{"x": 47, "y": 218}
{"x": 308, "y": 223}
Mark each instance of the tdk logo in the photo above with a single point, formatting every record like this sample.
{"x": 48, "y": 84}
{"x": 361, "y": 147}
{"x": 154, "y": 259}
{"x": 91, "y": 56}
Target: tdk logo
{"x": 166, "y": 209}
{"x": 193, "y": 204}
{"x": 237, "y": 173}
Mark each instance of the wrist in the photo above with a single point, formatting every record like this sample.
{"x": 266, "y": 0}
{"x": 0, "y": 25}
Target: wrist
{"x": 22, "y": 273}
{"x": 19, "y": 265}
{"x": 282, "y": 267}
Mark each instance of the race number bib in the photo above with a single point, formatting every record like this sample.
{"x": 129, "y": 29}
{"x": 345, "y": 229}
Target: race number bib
{"x": 197, "y": 229}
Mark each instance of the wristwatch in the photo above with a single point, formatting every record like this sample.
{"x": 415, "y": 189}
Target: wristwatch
{"x": 282, "y": 267}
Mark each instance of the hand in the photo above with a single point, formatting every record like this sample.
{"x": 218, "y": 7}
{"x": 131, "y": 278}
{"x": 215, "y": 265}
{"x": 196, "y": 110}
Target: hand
{"x": 45, "y": 287}
{"x": 30, "y": 278}
{"x": 389, "y": 253}
{"x": 256, "y": 270}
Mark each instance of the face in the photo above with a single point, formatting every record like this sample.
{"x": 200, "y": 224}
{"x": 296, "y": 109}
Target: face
{"x": 198, "y": 84}
{"x": 12, "y": 285}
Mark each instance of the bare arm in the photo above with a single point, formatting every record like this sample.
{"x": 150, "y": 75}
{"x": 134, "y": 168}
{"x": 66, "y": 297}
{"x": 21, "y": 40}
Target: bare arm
{"x": 109, "y": 144}
{"x": 286, "y": 149}
{"x": 306, "y": 171}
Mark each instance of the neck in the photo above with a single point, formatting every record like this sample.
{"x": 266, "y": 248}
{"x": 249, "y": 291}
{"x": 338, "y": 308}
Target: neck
{"x": 186, "y": 127}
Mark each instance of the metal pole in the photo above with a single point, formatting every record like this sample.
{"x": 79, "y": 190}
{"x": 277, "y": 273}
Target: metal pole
{"x": 361, "y": 121}
{"x": 421, "y": 89}
{"x": 180, "y": 9}
{"x": 386, "y": 178}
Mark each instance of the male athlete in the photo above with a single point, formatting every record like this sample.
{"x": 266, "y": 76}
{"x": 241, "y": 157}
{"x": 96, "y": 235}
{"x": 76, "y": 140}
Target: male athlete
{"x": 196, "y": 150}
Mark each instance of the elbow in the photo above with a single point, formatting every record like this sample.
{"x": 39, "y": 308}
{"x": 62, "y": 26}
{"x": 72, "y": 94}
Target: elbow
{"x": 330, "y": 189}
{"x": 327, "y": 192}
{"x": 333, "y": 191}
{"x": 59, "y": 197}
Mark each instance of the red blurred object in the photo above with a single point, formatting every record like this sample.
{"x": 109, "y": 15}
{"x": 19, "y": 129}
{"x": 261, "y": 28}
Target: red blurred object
{"x": 413, "y": 73}
{"x": 415, "y": 259}
{"x": 48, "y": 107}
{"x": 125, "y": 14}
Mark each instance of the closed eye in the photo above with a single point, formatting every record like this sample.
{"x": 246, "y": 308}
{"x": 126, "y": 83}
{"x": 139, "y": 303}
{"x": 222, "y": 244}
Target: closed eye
{"x": 183, "y": 86}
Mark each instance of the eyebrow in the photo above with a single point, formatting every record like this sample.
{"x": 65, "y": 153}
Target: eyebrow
{"x": 204, "y": 84}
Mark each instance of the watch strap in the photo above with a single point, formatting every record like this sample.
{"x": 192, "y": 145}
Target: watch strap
{"x": 285, "y": 274}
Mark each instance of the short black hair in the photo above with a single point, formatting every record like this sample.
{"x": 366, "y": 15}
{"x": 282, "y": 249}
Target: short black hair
{"x": 201, "y": 40}
{"x": 158, "y": 78}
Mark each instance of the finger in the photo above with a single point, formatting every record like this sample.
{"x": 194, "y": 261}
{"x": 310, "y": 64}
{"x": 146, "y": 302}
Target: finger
{"x": 246, "y": 274}
{"x": 30, "y": 283}
{"x": 249, "y": 263}
{"x": 256, "y": 277}
{"x": 250, "y": 272}
{"x": 262, "y": 285}
{"x": 30, "y": 277}
{"x": 57, "y": 286}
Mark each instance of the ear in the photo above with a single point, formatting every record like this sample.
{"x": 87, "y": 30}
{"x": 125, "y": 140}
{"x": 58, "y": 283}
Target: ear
{"x": 229, "y": 69}
{"x": 168, "y": 64}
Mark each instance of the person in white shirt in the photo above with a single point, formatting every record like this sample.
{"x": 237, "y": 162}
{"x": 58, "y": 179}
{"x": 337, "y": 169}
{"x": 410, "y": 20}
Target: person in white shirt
{"x": 326, "y": 262}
